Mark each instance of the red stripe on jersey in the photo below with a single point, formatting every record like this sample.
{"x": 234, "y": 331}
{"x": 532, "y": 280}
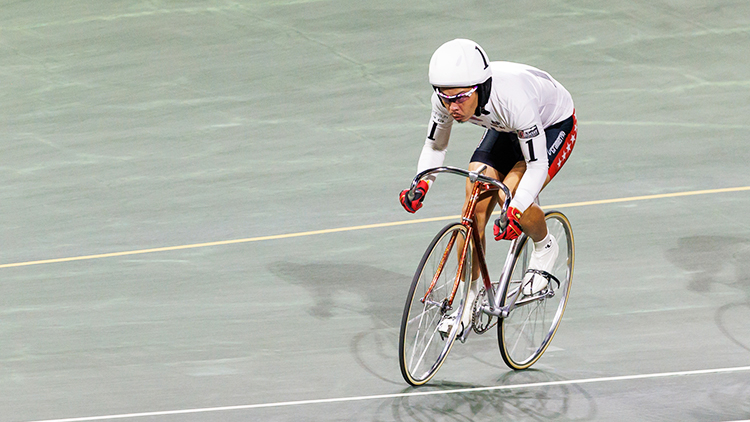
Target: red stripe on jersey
{"x": 565, "y": 150}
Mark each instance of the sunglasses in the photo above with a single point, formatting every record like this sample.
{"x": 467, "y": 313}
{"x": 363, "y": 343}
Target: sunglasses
{"x": 458, "y": 98}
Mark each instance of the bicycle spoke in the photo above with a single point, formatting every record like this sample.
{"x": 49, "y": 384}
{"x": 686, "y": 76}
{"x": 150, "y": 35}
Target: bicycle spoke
{"x": 422, "y": 347}
{"x": 426, "y": 347}
{"x": 418, "y": 331}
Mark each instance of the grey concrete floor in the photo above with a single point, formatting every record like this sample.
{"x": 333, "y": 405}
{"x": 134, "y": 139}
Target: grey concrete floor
{"x": 133, "y": 126}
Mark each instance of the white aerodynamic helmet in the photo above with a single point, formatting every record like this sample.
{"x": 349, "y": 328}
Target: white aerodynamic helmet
{"x": 459, "y": 63}
{"x": 462, "y": 63}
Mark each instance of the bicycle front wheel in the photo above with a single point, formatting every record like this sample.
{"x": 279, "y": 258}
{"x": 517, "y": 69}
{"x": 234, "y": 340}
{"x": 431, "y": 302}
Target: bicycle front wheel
{"x": 532, "y": 322}
{"x": 426, "y": 337}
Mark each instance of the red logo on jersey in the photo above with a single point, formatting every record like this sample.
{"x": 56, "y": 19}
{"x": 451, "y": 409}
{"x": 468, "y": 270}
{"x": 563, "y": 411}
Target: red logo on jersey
{"x": 528, "y": 133}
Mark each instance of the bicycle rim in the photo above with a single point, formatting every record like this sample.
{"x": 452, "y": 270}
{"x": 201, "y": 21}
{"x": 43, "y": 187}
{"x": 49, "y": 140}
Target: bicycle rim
{"x": 422, "y": 348}
{"x": 526, "y": 332}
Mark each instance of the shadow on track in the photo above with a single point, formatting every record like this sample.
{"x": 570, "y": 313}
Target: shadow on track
{"x": 556, "y": 402}
{"x": 382, "y": 292}
{"x": 720, "y": 261}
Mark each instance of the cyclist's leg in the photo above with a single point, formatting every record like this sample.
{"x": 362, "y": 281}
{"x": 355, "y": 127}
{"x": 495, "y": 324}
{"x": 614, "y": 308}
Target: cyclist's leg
{"x": 482, "y": 214}
{"x": 561, "y": 138}
{"x": 483, "y": 210}
{"x": 500, "y": 152}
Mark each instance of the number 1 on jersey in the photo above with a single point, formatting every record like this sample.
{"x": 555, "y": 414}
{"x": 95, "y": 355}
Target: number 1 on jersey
{"x": 431, "y": 136}
{"x": 530, "y": 144}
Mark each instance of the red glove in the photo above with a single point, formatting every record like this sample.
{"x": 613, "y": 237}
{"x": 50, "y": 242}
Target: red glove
{"x": 512, "y": 230}
{"x": 416, "y": 202}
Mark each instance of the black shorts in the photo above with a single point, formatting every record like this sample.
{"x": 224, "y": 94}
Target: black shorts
{"x": 501, "y": 151}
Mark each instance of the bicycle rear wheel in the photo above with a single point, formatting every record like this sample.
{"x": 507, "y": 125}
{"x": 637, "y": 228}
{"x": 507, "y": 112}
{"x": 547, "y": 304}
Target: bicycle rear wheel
{"x": 529, "y": 327}
{"x": 422, "y": 348}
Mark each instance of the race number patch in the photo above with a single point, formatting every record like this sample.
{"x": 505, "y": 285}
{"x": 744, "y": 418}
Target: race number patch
{"x": 528, "y": 133}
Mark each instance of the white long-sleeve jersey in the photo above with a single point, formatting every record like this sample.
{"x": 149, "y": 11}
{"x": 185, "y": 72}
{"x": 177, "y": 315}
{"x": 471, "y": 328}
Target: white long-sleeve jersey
{"x": 524, "y": 100}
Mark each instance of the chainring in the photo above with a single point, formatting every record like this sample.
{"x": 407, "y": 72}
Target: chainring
{"x": 479, "y": 320}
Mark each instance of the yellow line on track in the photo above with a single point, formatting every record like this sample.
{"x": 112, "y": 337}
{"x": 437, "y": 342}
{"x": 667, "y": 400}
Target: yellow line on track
{"x": 646, "y": 197}
{"x": 354, "y": 228}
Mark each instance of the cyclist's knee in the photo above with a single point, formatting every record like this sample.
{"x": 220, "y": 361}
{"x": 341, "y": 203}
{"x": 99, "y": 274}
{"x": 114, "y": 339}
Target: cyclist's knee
{"x": 533, "y": 223}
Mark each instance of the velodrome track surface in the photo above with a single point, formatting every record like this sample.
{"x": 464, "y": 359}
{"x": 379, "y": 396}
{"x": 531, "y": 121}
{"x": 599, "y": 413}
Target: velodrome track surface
{"x": 200, "y": 223}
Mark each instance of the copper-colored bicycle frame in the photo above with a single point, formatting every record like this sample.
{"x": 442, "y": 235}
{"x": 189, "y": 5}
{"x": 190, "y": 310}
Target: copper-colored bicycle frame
{"x": 468, "y": 221}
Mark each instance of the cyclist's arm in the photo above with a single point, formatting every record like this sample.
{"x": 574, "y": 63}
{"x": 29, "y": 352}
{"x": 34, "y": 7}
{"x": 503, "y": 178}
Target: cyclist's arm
{"x": 436, "y": 142}
{"x": 533, "y": 143}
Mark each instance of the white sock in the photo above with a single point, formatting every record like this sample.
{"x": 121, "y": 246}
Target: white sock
{"x": 473, "y": 291}
{"x": 539, "y": 246}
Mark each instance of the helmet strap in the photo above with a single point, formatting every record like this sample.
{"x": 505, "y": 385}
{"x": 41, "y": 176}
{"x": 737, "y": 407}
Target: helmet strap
{"x": 484, "y": 97}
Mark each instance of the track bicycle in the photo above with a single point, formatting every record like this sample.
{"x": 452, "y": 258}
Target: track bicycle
{"x": 441, "y": 283}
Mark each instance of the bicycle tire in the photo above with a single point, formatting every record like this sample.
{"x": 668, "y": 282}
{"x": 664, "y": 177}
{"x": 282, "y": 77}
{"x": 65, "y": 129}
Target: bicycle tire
{"x": 422, "y": 349}
{"x": 527, "y": 331}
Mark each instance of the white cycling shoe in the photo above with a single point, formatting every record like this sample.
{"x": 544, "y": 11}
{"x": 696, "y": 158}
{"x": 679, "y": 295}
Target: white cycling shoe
{"x": 449, "y": 321}
{"x": 542, "y": 260}
{"x": 446, "y": 325}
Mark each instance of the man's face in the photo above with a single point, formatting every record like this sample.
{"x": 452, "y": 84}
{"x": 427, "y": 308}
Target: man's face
{"x": 461, "y": 107}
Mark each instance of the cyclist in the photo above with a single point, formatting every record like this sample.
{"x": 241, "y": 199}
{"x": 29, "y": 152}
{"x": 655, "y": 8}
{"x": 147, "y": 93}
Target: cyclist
{"x": 531, "y": 129}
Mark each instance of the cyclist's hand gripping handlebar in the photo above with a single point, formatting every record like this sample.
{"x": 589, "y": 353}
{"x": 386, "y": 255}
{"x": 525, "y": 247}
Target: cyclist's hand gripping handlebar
{"x": 507, "y": 227}
{"x": 411, "y": 199}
